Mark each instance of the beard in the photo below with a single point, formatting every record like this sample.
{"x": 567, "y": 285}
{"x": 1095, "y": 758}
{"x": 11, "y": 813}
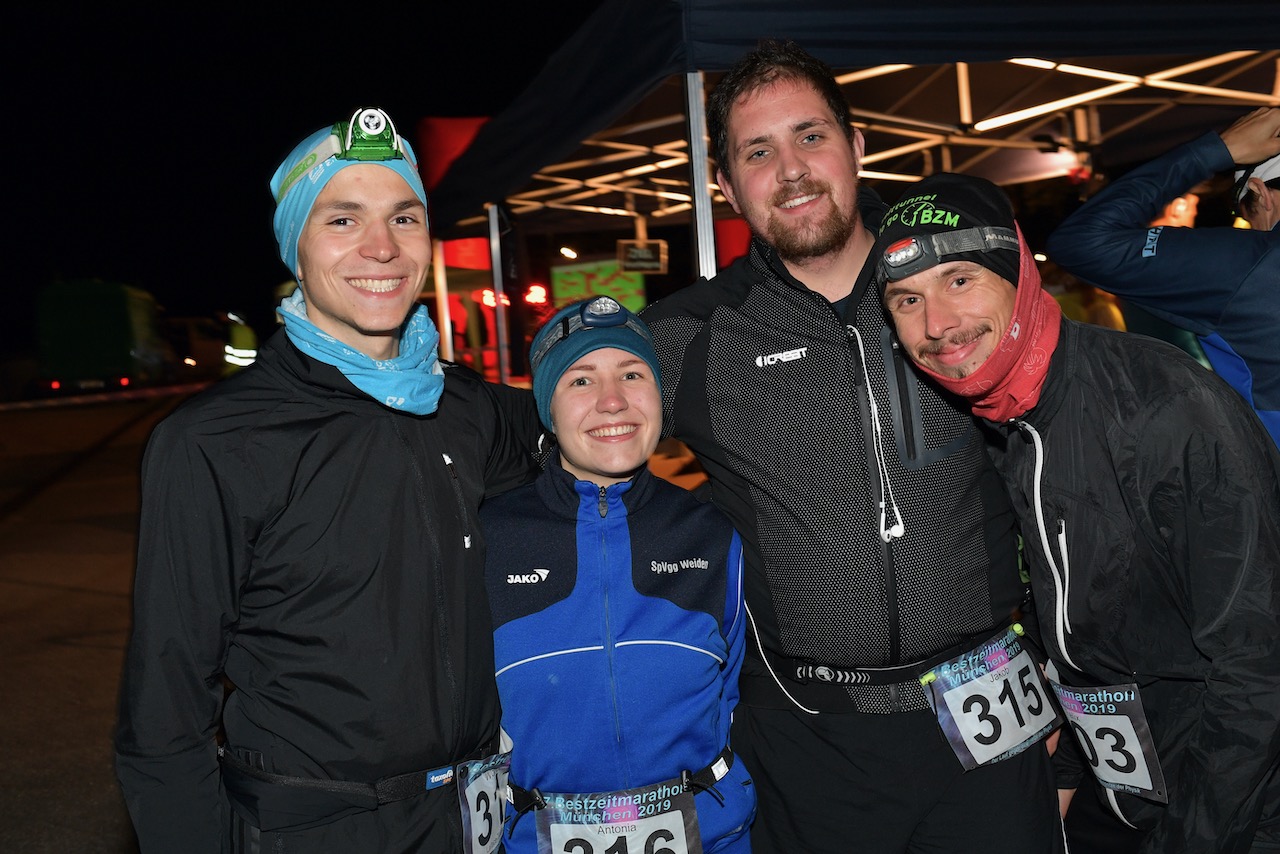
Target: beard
{"x": 810, "y": 240}
{"x": 959, "y": 339}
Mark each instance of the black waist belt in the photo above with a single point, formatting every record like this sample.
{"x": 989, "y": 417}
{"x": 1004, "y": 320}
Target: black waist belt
{"x": 698, "y": 781}
{"x": 806, "y": 672}
{"x": 279, "y": 802}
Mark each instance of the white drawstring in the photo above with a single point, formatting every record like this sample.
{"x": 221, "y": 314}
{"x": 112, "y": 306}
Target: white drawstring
{"x": 887, "y": 532}
{"x": 769, "y": 667}
{"x": 1061, "y": 578}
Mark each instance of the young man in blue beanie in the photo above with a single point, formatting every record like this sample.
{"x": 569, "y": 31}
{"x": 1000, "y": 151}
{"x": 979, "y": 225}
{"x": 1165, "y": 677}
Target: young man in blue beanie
{"x": 618, "y": 617}
{"x": 311, "y": 653}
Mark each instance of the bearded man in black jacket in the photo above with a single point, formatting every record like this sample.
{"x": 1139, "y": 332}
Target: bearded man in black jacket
{"x": 879, "y": 543}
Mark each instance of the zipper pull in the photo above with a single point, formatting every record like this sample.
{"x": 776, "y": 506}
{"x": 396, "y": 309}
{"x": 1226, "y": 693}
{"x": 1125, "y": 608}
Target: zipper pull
{"x": 604, "y": 503}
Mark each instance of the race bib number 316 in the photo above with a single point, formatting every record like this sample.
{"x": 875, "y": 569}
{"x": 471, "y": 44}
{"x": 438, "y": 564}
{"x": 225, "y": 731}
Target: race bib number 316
{"x": 991, "y": 702}
{"x": 658, "y": 819}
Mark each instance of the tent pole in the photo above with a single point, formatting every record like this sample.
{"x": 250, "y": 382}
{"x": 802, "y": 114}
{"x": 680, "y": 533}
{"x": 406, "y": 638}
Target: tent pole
{"x": 699, "y": 167}
{"x": 499, "y": 308}
{"x": 445, "y": 327}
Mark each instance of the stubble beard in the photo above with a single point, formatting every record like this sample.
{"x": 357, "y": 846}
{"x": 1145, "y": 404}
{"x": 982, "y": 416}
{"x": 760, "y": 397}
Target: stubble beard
{"x": 803, "y": 242}
{"x": 955, "y": 372}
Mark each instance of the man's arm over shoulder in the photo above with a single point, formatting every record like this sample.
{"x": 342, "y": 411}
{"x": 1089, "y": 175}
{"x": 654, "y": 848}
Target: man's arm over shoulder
{"x": 675, "y": 321}
{"x": 1215, "y": 499}
{"x": 1176, "y": 273}
{"x": 508, "y": 417}
{"x": 185, "y": 593}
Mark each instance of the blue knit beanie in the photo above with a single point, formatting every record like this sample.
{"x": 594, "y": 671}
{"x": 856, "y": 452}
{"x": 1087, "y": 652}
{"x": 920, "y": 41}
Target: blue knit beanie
{"x": 579, "y": 329}
{"x": 305, "y": 172}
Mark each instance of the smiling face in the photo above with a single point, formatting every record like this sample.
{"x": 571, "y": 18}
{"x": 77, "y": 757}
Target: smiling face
{"x": 792, "y": 171}
{"x": 951, "y": 317}
{"x": 607, "y": 415}
{"x": 362, "y": 258}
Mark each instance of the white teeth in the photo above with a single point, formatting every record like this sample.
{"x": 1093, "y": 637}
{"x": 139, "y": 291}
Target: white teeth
{"x": 377, "y": 286}
{"x": 791, "y": 203}
{"x": 606, "y": 432}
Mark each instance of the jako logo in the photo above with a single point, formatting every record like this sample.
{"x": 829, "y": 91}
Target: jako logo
{"x": 785, "y": 356}
{"x": 531, "y": 578}
{"x": 662, "y": 566}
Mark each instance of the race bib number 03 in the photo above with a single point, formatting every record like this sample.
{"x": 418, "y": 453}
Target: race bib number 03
{"x": 482, "y": 787}
{"x": 1112, "y": 730}
{"x": 993, "y": 701}
{"x": 658, "y": 819}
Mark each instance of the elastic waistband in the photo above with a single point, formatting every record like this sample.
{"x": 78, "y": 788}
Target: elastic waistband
{"x": 280, "y": 802}
{"x": 832, "y": 689}
{"x": 524, "y": 800}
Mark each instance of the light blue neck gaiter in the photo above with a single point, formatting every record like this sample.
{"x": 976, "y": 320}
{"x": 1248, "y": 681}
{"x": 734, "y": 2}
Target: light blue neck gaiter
{"x": 411, "y": 382}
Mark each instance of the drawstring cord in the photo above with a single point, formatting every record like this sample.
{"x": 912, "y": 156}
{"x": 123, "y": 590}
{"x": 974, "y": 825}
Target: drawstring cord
{"x": 888, "y": 532}
{"x": 1061, "y": 577}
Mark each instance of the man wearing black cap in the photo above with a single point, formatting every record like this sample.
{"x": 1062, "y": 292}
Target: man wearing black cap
{"x": 878, "y": 540}
{"x": 1149, "y": 500}
{"x": 1221, "y": 283}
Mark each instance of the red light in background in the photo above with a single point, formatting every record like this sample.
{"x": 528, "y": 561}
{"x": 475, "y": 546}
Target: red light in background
{"x": 124, "y": 381}
{"x": 536, "y": 295}
{"x": 489, "y": 298}
{"x": 55, "y": 385}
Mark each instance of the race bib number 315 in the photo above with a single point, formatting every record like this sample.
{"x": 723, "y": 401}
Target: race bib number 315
{"x": 991, "y": 702}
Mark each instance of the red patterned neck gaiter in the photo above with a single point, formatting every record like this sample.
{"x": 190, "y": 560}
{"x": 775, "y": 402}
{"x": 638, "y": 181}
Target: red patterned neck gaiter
{"x": 1008, "y": 383}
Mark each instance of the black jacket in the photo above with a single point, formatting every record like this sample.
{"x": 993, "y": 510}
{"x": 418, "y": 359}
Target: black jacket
{"x": 768, "y": 387}
{"x": 1160, "y": 506}
{"x": 321, "y": 553}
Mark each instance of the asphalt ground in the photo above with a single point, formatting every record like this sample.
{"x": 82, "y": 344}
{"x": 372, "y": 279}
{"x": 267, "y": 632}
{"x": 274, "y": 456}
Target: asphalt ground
{"x": 68, "y": 518}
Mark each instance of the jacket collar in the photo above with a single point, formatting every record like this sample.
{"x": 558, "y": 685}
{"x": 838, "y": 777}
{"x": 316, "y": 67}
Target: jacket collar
{"x": 1058, "y": 378}
{"x": 562, "y": 492}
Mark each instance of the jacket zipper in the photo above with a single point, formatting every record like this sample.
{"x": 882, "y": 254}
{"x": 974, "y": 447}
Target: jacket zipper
{"x": 603, "y": 506}
{"x": 892, "y": 622}
{"x": 904, "y": 403}
{"x": 462, "y": 504}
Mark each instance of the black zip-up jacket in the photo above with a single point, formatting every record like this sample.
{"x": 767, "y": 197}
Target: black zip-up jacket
{"x": 768, "y": 387}
{"x": 320, "y": 552}
{"x": 1160, "y": 510}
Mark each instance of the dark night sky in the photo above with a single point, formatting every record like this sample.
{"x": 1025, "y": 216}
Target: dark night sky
{"x": 142, "y": 144}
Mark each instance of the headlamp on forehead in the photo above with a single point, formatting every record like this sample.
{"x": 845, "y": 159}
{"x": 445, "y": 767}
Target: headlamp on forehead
{"x": 599, "y": 313}
{"x": 917, "y": 253}
{"x": 370, "y": 136}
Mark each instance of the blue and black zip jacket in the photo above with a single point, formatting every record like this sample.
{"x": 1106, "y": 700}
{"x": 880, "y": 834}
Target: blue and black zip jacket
{"x": 1223, "y": 284}
{"x": 618, "y": 638}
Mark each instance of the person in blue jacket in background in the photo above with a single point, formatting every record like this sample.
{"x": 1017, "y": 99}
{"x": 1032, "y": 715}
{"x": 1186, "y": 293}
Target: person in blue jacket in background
{"x": 618, "y": 615}
{"x": 1223, "y": 283}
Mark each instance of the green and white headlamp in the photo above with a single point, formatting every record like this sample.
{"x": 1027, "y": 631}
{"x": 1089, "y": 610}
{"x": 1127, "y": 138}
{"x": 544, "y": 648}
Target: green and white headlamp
{"x": 370, "y": 136}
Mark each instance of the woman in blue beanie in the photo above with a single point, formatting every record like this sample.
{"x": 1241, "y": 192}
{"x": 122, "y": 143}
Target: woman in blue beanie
{"x": 618, "y": 617}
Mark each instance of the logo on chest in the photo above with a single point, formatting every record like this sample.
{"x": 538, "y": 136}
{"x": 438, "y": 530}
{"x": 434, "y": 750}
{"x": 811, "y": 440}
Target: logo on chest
{"x": 528, "y": 577}
{"x": 784, "y": 356}
{"x": 663, "y": 567}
